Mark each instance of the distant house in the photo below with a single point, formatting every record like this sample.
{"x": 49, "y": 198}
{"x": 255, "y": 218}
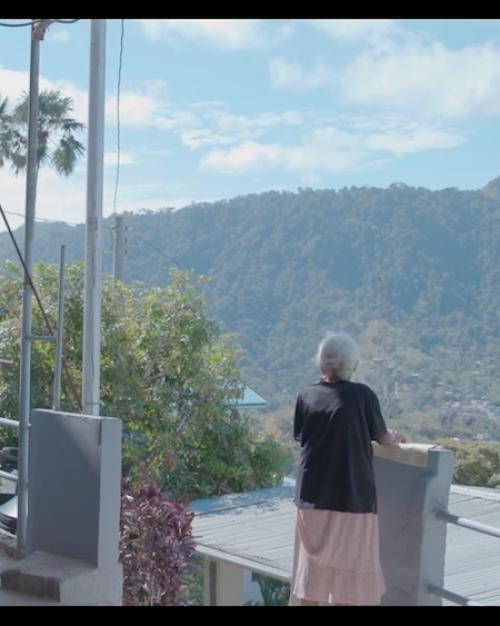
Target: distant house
{"x": 250, "y": 399}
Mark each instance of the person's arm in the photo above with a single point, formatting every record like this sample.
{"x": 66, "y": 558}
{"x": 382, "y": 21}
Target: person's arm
{"x": 298, "y": 420}
{"x": 378, "y": 429}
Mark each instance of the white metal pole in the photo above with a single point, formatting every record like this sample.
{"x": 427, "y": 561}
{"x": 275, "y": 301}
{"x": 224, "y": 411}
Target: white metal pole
{"x": 93, "y": 240}
{"x": 26, "y": 341}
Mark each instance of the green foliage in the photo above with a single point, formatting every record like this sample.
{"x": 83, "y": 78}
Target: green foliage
{"x": 57, "y": 143}
{"x": 166, "y": 370}
{"x": 156, "y": 546}
{"x": 412, "y": 273}
{"x": 274, "y": 592}
{"x": 476, "y": 464}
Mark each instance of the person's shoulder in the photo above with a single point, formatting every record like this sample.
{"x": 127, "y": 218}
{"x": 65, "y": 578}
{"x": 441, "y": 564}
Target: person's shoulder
{"x": 314, "y": 385}
{"x": 308, "y": 389}
{"x": 362, "y": 388}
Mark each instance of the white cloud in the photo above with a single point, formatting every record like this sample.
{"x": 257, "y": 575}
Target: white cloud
{"x": 136, "y": 109}
{"x": 246, "y": 157}
{"x": 373, "y": 31}
{"x": 219, "y": 127}
{"x": 149, "y": 108}
{"x": 223, "y": 33}
{"x": 126, "y": 158}
{"x": 58, "y": 36}
{"x": 413, "y": 138}
{"x": 293, "y": 75}
{"x": 427, "y": 80}
{"x": 13, "y": 83}
{"x": 199, "y": 137}
{"x": 58, "y": 198}
{"x": 332, "y": 149}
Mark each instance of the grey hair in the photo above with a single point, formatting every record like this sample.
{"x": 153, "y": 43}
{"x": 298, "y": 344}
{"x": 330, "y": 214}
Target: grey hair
{"x": 338, "y": 355}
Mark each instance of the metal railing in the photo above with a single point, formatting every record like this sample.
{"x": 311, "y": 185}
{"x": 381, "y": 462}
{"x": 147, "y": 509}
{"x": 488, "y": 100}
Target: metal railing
{"x": 456, "y": 598}
{"x": 10, "y": 424}
{"x": 463, "y": 522}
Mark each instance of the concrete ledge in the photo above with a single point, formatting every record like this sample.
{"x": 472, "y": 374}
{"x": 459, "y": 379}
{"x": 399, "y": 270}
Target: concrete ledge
{"x": 414, "y": 454}
{"x": 69, "y": 581}
{"x": 12, "y": 598}
{"x": 45, "y": 587}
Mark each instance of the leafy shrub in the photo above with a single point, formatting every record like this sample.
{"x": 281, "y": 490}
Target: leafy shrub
{"x": 476, "y": 464}
{"x": 274, "y": 592}
{"x": 156, "y": 545}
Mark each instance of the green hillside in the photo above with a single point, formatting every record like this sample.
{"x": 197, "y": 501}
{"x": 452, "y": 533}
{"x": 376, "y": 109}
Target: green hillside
{"x": 412, "y": 273}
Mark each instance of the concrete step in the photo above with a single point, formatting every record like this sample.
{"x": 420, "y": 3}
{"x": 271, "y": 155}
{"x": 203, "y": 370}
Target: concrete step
{"x": 13, "y": 598}
{"x": 9, "y": 560}
{"x": 48, "y": 578}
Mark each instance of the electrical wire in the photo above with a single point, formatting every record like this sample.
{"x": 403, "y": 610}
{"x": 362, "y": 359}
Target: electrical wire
{"x": 24, "y": 24}
{"x": 118, "y": 137}
{"x": 44, "y": 219}
{"x": 76, "y": 397}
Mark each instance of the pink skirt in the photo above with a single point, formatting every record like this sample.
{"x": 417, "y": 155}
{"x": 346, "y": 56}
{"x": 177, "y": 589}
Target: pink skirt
{"x": 337, "y": 558}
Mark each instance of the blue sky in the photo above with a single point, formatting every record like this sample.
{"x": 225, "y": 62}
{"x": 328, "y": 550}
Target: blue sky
{"x": 215, "y": 108}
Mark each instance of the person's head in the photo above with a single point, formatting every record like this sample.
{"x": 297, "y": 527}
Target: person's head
{"x": 338, "y": 356}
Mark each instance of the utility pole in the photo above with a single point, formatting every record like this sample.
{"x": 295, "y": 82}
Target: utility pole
{"x": 119, "y": 247}
{"x": 93, "y": 241}
{"x": 37, "y": 34}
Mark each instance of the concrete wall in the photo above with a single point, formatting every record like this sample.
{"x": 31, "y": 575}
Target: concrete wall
{"x": 74, "y": 486}
{"x": 412, "y": 484}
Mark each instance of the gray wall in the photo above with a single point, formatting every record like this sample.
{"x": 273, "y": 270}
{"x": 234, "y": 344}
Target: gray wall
{"x": 74, "y": 486}
{"x": 412, "y": 541}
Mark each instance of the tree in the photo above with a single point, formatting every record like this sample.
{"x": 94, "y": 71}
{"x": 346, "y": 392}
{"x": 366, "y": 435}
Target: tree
{"x": 57, "y": 143}
{"x": 166, "y": 370}
{"x": 476, "y": 464}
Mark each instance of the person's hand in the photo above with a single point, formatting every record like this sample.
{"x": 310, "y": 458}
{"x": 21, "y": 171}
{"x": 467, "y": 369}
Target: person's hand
{"x": 398, "y": 437}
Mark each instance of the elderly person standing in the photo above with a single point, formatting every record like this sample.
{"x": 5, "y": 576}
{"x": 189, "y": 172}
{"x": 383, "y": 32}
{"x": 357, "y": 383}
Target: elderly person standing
{"x": 337, "y": 534}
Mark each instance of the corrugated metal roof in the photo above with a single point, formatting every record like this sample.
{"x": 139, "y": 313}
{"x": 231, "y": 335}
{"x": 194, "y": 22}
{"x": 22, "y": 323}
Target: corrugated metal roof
{"x": 250, "y": 399}
{"x": 256, "y": 530}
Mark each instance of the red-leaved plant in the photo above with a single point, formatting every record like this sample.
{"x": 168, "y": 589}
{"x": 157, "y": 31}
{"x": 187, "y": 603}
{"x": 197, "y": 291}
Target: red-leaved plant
{"x": 156, "y": 545}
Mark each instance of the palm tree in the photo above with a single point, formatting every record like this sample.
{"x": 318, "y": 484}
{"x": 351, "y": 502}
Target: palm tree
{"x": 4, "y": 131}
{"x": 57, "y": 143}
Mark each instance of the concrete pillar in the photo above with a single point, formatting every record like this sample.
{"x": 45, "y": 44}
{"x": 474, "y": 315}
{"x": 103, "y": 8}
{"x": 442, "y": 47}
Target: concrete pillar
{"x": 413, "y": 482}
{"x": 223, "y": 583}
{"x": 74, "y": 496}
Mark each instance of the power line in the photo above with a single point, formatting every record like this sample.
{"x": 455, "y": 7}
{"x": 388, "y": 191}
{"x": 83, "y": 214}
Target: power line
{"x": 152, "y": 246}
{"x": 44, "y": 219}
{"x": 118, "y": 138}
{"x": 29, "y": 279}
{"x": 24, "y": 24}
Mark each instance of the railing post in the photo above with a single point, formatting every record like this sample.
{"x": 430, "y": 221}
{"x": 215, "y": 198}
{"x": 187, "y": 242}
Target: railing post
{"x": 433, "y": 548}
{"x": 413, "y": 483}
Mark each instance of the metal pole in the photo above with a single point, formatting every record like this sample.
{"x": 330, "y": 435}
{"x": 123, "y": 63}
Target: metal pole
{"x": 93, "y": 243}
{"x": 468, "y": 523}
{"x": 56, "y": 395}
{"x": 119, "y": 248}
{"x": 25, "y": 366}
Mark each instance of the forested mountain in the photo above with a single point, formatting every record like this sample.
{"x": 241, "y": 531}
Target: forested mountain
{"x": 412, "y": 273}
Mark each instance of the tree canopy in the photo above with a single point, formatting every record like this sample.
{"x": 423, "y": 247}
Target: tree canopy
{"x": 57, "y": 131}
{"x": 166, "y": 370}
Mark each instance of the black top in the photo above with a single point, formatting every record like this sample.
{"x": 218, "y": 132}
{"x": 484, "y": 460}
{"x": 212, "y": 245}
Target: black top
{"x": 335, "y": 424}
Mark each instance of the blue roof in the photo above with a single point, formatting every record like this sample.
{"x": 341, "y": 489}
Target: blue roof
{"x": 250, "y": 398}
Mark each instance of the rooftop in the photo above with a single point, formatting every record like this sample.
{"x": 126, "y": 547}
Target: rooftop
{"x": 255, "y": 530}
